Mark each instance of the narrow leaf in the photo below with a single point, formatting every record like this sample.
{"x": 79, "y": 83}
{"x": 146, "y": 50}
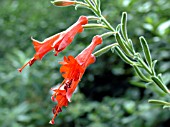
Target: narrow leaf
{"x": 138, "y": 84}
{"x": 140, "y": 74}
{"x": 160, "y": 76}
{"x": 159, "y": 83}
{"x": 124, "y": 26}
{"x": 160, "y": 102}
{"x": 131, "y": 46}
{"x": 118, "y": 27}
{"x": 122, "y": 55}
{"x": 122, "y": 45}
{"x": 146, "y": 51}
{"x": 166, "y": 106}
{"x": 153, "y": 67}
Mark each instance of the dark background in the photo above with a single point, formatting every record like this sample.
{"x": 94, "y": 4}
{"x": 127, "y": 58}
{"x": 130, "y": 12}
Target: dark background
{"x": 109, "y": 95}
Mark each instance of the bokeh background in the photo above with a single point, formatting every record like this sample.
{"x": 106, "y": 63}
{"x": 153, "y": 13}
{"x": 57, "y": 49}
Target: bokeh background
{"x": 109, "y": 95}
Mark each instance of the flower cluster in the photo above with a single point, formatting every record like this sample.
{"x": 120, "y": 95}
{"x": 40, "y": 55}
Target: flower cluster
{"x": 72, "y": 69}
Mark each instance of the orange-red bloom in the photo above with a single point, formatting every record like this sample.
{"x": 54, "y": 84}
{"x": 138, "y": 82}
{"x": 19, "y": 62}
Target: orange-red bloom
{"x": 69, "y": 34}
{"x": 57, "y": 42}
{"x": 72, "y": 70}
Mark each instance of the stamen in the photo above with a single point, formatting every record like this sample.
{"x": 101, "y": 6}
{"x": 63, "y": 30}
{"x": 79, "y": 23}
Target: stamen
{"x": 29, "y": 62}
{"x": 20, "y": 69}
{"x": 55, "y": 110}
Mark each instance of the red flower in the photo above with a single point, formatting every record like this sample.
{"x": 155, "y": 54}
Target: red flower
{"x": 57, "y": 42}
{"x": 69, "y": 34}
{"x": 72, "y": 70}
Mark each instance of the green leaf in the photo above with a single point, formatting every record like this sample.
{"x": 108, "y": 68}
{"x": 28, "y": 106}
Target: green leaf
{"x": 122, "y": 44}
{"x": 124, "y": 26}
{"x": 130, "y": 44}
{"x": 138, "y": 84}
{"x": 146, "y": 50}
{"x": 140, "y": 74}
{"x": 118, "y": 27}
{"x": 166, "y": 106}
{"x": 98, "y": 3}
{"x": 122, "y": 55}
{"x": 160, "y": 77}
{"x": 159, "y": 83}
{"x": 160, "y": 102}
{"x": 153, "y": 67}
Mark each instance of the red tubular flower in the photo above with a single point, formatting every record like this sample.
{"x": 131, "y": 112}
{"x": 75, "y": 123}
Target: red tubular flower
{"x": 70, "y": 34}
{"x": 72, "y": 70}
{"x": 57, "y": 42}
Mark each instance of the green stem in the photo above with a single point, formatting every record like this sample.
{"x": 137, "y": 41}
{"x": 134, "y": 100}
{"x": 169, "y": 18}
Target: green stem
{"x": 145, "y": 66}
{"x": 91, "y": 25}
{"x": 92, "y": 7}
{"x": 98, "y": 13}
{"x": 107, "y": 23}
{"x": 108, "y": 34}
{"x": 82, "y": 3}
{"x": 104, "y": 50}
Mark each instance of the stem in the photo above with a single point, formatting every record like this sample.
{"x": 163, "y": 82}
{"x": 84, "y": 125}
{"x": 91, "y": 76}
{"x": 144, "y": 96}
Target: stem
{"x": 92, "y": 7}
{"x": 107, "y": 23}
{"x": 81, "y": 3}
{"x": 104, "y": 50}
{"x": 145, "y": 66}
{"x": 108, "y": 34}
{"x": 94, "y": 26}
{"x": 98, "y": 13}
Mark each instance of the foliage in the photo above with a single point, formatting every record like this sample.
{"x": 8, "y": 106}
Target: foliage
{"x": 103, "y": 98}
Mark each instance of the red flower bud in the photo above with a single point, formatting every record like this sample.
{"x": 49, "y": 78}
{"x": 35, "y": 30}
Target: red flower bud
{"x": 63, "y": 2}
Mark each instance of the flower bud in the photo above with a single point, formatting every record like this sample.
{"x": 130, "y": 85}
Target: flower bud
{"x": 63, "y": 2}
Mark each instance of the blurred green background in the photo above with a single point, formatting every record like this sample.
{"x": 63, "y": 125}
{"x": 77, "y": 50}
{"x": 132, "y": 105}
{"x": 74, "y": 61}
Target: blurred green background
{"x": 109, "y": 95}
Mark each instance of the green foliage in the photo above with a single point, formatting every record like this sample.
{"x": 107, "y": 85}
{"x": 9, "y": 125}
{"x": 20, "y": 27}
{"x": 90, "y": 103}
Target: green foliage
{"x": 106, "y": 95}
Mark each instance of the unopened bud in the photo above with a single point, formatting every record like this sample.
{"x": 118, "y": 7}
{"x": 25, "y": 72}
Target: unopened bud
{"x": 63, "y": 2}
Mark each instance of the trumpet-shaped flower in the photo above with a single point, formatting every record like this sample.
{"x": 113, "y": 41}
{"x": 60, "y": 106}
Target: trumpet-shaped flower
{"x": 57, "y": 42}
{"x": 72, "y": 70}
{"x": 69, "y": 34}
